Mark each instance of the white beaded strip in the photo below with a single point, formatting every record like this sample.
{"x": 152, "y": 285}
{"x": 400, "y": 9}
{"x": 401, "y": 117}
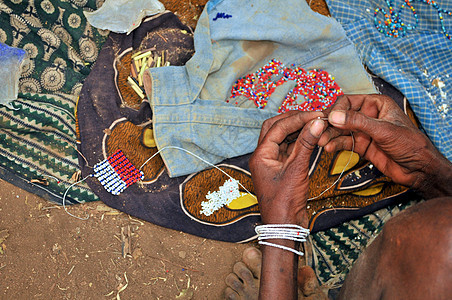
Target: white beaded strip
{"x": 282, "y": 231}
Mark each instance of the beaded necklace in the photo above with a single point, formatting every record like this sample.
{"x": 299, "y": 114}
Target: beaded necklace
{"x": 392, "y": 24}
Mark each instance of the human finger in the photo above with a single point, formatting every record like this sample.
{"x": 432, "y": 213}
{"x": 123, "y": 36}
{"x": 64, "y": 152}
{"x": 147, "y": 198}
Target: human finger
{"x": 339, "y": 143}
{"x": 378, "y": 130}
{"x": 330, "y": 134}
{"x": 284, "y": 127}
{"x": 306, "y": 142}
{"x": 358, "y": 102}
{"x": 269, "y": 123}
{"x": 363, "y": 103}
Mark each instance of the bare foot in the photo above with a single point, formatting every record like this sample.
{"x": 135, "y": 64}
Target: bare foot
{"x": 309, "y": 285}
{"x": 243, "y": 283}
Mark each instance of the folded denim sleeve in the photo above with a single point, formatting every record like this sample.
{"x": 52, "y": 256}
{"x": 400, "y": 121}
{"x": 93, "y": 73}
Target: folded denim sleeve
{"x": 234, "y": 38}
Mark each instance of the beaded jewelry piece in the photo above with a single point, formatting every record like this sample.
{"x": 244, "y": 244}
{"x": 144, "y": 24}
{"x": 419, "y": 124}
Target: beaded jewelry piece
{"x": 228, "y": 191}
{"x": 393, "y": 25}
{"x": 116, "y": 173}
{"x": 317, "y": 87}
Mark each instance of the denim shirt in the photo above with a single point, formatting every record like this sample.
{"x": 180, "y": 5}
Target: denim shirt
{"x": 232, "y": 39}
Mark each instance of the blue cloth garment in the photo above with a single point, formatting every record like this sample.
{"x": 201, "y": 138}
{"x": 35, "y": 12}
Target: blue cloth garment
{"x": 418, "y": 62}
{"x": 234, "y": 38}
{"x": 11, "y": 60}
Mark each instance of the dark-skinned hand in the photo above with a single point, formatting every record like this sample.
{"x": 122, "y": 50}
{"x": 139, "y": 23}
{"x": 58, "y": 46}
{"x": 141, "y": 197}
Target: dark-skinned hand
{"x": 385, "y": 136}
{"x": 280, "y": 165}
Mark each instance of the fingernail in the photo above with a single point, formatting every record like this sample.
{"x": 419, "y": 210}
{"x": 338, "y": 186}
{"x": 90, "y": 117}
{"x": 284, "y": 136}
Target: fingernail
{"x": 337, "y": 117}
{"x": 316, "y": 128}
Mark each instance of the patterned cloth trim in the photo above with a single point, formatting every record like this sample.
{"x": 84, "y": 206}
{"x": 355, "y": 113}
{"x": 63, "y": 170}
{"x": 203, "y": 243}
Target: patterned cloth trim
{"x": 335, "y": 250}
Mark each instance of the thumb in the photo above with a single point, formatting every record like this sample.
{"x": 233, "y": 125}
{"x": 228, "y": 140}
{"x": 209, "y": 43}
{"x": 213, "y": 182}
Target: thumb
{"x": 307, "y": 141}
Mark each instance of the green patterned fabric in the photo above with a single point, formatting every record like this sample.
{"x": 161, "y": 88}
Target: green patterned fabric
{"x": 37, "y": 131}
{"x": 335, "y": 250}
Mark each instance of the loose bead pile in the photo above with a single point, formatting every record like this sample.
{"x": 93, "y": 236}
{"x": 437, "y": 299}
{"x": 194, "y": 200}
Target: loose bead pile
{"x": 116, "y": 173}
{"x": 393, "y": 26}
{"x": 316, "y": 86}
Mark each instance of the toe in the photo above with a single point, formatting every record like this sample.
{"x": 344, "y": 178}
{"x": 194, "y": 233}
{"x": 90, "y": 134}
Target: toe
{"x": 307, "y": 281}
{"x": 242, "y": 271}
{"x": 252, "y": 257}
{"x": 230, "y": 294}
{"x": 234, "y": 283}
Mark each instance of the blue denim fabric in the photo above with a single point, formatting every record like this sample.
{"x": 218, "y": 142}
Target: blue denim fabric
{"x": 11, "y": 60}
{"x": 418, "y": 64}
{"x": 234, "y": 38}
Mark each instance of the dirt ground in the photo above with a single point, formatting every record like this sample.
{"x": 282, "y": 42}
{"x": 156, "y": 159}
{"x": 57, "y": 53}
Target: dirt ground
{"x": 47, "y": 254}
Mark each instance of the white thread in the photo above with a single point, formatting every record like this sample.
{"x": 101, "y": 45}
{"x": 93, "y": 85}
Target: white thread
{"x": 283, "y": 231}
{"x": 212, "y": 165}
{"x": 340, "y": 175}
{"x": 64, "y": 198}
{"x": 201, "y": 159}
{"x": 300, "y": 253}
{"x": 291, "y": 232}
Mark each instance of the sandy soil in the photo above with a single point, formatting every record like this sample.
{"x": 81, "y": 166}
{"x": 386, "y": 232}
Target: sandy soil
{"x": 47, "y": 254}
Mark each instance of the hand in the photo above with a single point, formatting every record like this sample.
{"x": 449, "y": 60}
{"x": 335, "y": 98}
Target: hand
{"x": 385, "y": 136}
{"x": 279, "y": 167}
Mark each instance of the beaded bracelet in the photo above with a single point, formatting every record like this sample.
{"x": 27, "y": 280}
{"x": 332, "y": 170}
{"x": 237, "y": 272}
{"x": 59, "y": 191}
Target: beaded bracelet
{"x": 282, "y": 231}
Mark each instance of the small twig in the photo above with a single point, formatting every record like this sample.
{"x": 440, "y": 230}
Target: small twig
{"x": 124, "y": 287}
{"x": 50, "y": 207}
{"x": 162, "y": 37}
{"x": 173, "y": 263}
{"x": 132, "y": 219}
{"x": 62, "y": 289}
{"x": 70, "y": 271}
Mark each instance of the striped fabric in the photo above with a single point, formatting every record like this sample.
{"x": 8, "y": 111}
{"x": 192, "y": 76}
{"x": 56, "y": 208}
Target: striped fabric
{"x": 335, "y": 250}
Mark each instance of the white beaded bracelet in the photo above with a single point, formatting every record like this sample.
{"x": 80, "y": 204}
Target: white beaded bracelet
{"x": 282, "y": 231}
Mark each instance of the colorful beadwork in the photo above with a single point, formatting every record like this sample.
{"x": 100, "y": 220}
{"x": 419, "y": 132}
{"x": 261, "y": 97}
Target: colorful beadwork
{"x": 392, "y": 24}
{"x": 316, "y": 86}
{"x": 116, "y": 173}
{"x": 216, "y": 200}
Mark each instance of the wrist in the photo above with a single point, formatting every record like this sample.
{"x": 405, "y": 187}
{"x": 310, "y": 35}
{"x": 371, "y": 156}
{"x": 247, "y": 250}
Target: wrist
{"x": 286, "y": 209}
{"x": 281, "y": 247}
{"x": 288, "y": 217}
{"x": 437, "y": 178}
